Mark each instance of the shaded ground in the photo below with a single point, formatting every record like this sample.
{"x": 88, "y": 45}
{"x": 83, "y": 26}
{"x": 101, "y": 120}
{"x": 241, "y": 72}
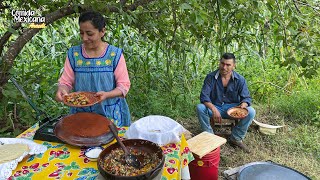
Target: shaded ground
{"x": 276, "y": 148}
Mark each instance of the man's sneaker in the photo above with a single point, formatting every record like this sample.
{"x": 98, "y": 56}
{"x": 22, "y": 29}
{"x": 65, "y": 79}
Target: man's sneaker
{"x": 239, "y": 144}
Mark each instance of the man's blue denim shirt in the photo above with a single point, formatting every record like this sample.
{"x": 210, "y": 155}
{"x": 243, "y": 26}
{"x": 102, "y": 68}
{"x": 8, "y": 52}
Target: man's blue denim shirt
{"x": 237, "y": 90}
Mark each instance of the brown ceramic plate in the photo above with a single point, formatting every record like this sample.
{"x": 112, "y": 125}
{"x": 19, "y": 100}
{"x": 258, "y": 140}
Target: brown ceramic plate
{"x": 84, "y": 129}
{"x": 238, "y": 113}
{"x": 81, "y": 99}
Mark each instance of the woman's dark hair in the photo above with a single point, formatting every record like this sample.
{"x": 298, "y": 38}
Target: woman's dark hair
{"x": 228, "y": 56}
{"x": 96, "y": 19}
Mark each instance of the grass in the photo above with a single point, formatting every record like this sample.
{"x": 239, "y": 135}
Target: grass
{"x": 274, "y": 148}
{"x": 296, "y": 146}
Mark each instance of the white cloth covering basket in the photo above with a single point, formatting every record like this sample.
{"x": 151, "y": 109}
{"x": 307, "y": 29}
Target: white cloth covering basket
{"x": 34, "y": 148}
{"x": 158, "y": 129}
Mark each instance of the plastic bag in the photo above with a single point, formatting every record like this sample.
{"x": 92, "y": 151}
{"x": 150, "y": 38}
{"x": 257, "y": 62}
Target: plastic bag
{"x": 158, "y": 129}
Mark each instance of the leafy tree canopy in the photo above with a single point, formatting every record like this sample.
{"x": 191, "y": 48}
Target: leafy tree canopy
{"x": 286, "y": 31}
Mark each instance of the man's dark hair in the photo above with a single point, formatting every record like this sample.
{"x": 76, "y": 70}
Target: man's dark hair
{"x": 228, "y": 56}
{"x": 96, "y": 19}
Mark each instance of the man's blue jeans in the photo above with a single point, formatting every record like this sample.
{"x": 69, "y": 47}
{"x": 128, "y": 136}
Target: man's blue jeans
{"x": 238, "y": 132}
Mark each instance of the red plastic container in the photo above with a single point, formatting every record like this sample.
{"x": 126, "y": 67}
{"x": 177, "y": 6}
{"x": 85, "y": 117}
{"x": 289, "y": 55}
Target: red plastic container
{"x": 206, "y": 168}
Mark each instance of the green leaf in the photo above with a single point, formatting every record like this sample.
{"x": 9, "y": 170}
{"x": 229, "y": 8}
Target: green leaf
{"x": 30, "y": 174}
{"x": 67, "y": 168}
{"x": 185, "y": 6}
{"x": 4, "y": 129}
{"x": 83, "y": 172}
{"x": 13, "y": 31}
{"x": 51, "y": 157}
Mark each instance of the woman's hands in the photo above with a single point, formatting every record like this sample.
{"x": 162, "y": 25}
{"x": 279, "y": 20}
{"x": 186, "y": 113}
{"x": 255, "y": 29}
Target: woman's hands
{"x": 62, "y": 91}
{"x": 103, "y": 95}
{"x": 109, "y": 94}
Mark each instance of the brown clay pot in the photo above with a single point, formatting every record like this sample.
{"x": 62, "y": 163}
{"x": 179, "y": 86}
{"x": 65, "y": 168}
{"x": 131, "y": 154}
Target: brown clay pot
{"x": 141, "y": 144}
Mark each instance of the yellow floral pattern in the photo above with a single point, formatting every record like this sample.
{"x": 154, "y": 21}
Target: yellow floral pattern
{"x": 108, "y": 62}
{"x": 62, "y": 161}
{"x": 94, "y": 62}
{"x": 79, "y": 62}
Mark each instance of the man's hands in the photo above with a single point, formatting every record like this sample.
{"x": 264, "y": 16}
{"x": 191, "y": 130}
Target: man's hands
{"x": 216, "y": 116}
{"x": 243, "y": 105}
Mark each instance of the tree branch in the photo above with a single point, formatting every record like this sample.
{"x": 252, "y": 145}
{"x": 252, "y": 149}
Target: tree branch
{"x": 16, "y": 47}
{"x": 131, "y": 7}
{"x": 7, "y": 35}
{"x": 123, "y": 2}
{"x": 315, "y": 8}
{"x": 296, "y": 6}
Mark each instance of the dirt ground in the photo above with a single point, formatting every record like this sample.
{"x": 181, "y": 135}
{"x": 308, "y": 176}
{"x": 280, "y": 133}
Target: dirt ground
{"x": 263, "y": 148}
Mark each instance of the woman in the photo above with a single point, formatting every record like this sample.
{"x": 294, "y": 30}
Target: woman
{"x": 97, "y": 66}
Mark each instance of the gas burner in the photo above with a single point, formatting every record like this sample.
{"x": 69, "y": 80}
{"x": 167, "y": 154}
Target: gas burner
{"x": 45, "y": 131}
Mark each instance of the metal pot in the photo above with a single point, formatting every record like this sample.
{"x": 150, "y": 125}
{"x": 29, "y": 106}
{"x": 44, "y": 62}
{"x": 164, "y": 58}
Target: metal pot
{"x": 267, "y": 171}
{"x": 140, "y": 144}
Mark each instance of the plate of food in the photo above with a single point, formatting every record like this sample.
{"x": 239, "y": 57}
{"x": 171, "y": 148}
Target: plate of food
{"x": 81, "y": 99}
{"x": 238, "y": 112}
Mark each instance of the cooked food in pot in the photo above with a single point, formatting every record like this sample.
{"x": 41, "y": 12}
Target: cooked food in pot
{"x": 77, "y": 99}
{"x": 114, "y": 162}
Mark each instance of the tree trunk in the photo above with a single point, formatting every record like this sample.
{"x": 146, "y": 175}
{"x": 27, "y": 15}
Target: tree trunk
{"x": 7, "y": 60}
{"x": 15, "y": 48}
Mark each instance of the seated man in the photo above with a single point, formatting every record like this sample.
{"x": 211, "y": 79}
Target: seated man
{"x": 223, "y": 89}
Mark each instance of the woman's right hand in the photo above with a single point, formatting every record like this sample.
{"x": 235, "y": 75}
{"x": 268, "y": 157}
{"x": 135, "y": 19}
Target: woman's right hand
{"x": 62, "y": 91}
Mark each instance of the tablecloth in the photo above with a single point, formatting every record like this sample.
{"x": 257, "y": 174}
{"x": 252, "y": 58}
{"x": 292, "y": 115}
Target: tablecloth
{"x": 63, "y": 161}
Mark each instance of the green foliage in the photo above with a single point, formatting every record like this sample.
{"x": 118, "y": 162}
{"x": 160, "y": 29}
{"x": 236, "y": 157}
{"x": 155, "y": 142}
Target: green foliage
{"x": 37, "y": 70}
{"x": 299, "y": 106}
{"x": 301, "y": 139}
{"x": 316, "y": 117}
{"x": 170, "y": 46}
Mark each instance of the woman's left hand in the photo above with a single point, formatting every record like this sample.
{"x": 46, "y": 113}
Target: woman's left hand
{"x": 109, "y": 94}
{"x": 103, "y": 95}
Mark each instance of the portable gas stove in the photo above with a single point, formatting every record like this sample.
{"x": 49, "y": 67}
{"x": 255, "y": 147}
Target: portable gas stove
{"x": 46, "y": 125}
{"x": 45, "y": 131}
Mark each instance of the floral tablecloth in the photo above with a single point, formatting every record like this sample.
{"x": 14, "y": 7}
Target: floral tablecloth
{"x": 62, "y": 161}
